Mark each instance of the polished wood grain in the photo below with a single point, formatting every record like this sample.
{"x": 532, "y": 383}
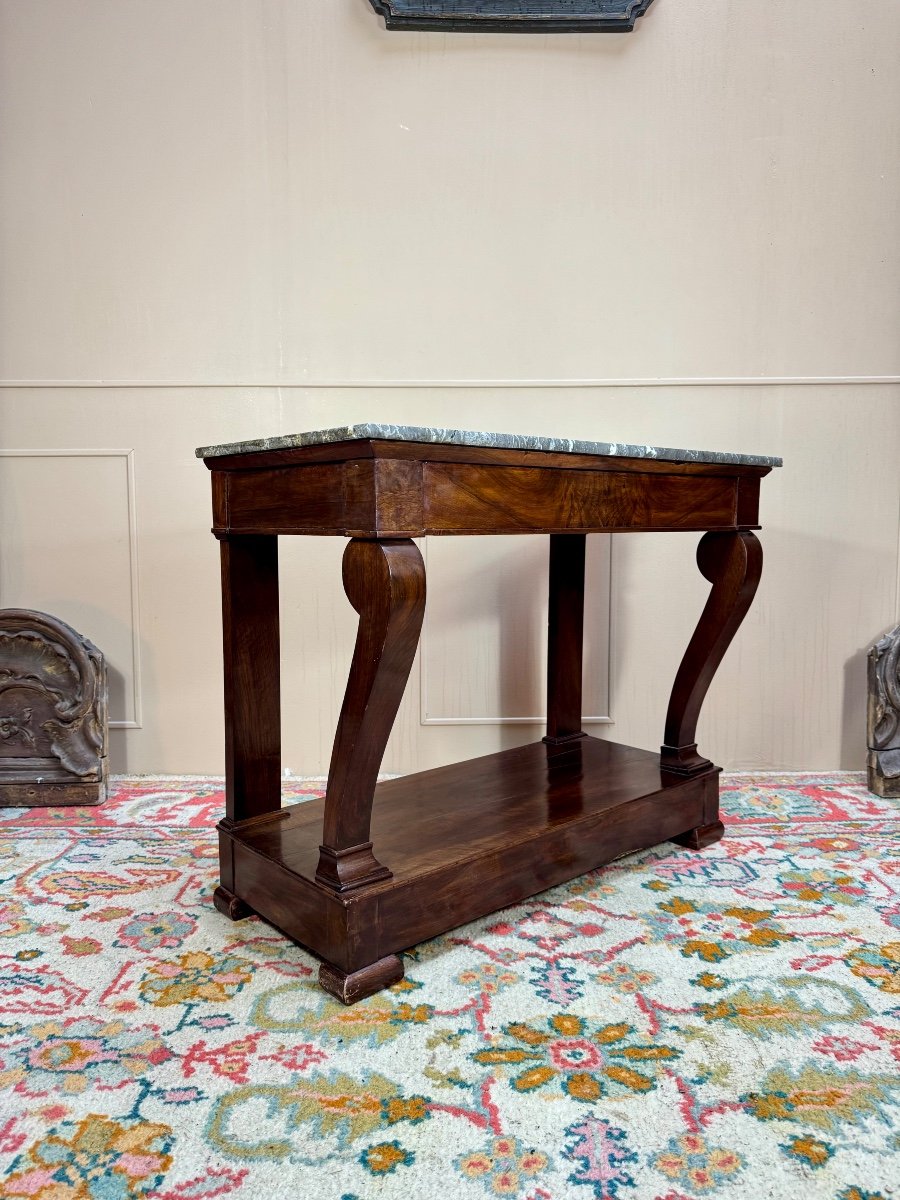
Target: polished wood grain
{"x": 466, "y": 839}
{"x": 229, "y": 905}
{"x": 250, "y": 634}
{"x": 565, "y": 637}
{"x": 385, "y": 583}
{"x": 357, "y": 985}
{"x": 702, "y": 836}
{"x": 369, "y": 871}
{"x": 261, "y": 499}
{"x": 732, "y": 562}
{"x": 372, "y": 489}
{"x": 383, "y": 494}
{"x": 398, "y": 499}
{"x": 463, "y": 498}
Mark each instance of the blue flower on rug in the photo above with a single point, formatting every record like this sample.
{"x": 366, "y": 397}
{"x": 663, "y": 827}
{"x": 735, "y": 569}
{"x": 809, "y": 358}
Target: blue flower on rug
{"x": 78, "y": 1053}
{"x": 154, "y": 932}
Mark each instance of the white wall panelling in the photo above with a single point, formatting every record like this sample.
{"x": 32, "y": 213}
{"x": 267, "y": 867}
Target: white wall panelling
{"x": 487, "y": 605}
{"x": 320, "y": 223}
{"x": 61, "y": 538}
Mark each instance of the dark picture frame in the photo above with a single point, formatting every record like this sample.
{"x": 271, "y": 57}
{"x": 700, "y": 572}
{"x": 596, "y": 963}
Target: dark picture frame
{"x": 512, "y": 16}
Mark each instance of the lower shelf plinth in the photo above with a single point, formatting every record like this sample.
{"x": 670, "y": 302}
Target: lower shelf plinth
{"x": 464, "y": 841}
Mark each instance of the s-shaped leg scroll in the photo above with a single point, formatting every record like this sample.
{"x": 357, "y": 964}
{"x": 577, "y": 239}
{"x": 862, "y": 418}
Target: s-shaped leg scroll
{"x": 732, "y": 562}
{"x": 385, "y": 583}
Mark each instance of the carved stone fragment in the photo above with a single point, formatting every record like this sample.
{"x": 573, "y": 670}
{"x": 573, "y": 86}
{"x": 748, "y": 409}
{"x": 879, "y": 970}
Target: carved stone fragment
{"x": 884, "y": 715}
{"x": 53, "y": 713}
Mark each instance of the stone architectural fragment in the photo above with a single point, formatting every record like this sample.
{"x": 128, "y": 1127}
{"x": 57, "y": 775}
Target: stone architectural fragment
{"x": 53, "y": 713}
{"x": 884, "y": 715}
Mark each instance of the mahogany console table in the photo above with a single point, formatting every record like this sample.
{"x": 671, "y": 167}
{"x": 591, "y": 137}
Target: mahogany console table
{"x": 372, "y": 869}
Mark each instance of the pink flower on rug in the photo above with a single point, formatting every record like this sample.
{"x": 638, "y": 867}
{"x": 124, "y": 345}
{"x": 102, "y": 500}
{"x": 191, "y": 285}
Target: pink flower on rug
{"x": 487, "y": 977}
{"x": 625, "y": 978}
{"x": 836, "y": 845}
{"x": 195, "y": 977}
{"x": 501, "y": 1168}
{"x": 841, "y": 1048}
{"x": 132, "y": 1155}
{"x": 231, "y": 1061}
{"x": 296, "y": 1058}
{"x": 10, "y": 1141}
{"x": 691, "y": 1160}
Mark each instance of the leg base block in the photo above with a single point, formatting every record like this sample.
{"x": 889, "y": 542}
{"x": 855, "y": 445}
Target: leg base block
{"x": 683, "y": 760}
{"x": 230, "y": 906}
{"x": 344, "y": 870}
{"x": 358, "y": 985}
{"x": 701, "y": 837}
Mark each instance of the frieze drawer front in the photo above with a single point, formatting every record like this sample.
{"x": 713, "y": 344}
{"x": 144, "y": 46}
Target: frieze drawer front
{"x": 464, "y": 498}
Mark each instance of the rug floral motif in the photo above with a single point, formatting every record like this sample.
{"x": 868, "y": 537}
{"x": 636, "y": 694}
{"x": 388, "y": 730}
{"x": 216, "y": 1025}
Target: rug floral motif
{"x": 676, "y": 1026}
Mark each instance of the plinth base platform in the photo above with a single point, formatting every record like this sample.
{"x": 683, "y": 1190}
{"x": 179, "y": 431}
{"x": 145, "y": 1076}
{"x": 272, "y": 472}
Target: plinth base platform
{"x": 461, "y": 841}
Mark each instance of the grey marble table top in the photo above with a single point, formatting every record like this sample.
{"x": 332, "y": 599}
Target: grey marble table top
{"x": 497, "y": 441}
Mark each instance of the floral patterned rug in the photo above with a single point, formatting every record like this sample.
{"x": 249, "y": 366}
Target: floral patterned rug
{"x": 678, "y": 1025}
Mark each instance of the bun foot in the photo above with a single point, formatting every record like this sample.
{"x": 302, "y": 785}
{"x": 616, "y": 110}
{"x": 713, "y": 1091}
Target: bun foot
{"x": 701, "y": 837}
{"x": 230, "y": 906}
{"x": 360, "y": 984}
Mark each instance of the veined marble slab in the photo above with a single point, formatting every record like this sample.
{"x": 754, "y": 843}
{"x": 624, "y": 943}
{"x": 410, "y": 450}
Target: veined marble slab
{"x": 495, "y": 441}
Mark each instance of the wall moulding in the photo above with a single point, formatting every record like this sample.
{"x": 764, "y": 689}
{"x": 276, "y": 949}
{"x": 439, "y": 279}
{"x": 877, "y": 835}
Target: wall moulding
{"x": 512, "y": 16}
{"x": 740, "y": 381}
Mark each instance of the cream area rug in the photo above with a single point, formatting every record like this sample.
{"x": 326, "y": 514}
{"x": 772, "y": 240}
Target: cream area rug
{"x": 677, "y": 1025}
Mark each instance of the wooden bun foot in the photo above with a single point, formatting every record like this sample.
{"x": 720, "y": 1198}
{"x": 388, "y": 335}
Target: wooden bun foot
{"x": 360, "y": 984}
{"x": 701, "y": 837}
{"x": 230, "y": 906}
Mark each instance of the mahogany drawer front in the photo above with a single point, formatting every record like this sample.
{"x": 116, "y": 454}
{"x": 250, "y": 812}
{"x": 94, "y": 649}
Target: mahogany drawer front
{"x": 280, "y": 500}
{"x": 402, "y": 498}
{"x": 462, "y": 498}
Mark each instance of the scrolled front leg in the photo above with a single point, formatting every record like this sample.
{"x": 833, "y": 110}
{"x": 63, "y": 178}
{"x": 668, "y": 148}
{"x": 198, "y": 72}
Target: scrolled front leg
{"x": 732, "y": 562}
{"x": 385, "y": 583}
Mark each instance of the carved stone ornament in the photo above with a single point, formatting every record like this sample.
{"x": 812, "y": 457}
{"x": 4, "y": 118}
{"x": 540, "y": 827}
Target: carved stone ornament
{"x": 513, "y": 16}
{"x": 53, "y": 713}
{"x": 884, "y": 715}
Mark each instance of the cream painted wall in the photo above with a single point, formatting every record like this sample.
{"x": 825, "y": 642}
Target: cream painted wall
{"x": 256, "y": 216}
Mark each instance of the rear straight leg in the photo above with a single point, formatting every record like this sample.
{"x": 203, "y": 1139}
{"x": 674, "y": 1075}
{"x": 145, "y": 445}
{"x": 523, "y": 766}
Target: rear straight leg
{"x": 732, "y": 562}
{"x": 252, "y": 694}
{"x": 565, "y": 638}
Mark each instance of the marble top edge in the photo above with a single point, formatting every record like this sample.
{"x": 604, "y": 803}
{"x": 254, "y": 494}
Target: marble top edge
{"x": 494, "y": 441}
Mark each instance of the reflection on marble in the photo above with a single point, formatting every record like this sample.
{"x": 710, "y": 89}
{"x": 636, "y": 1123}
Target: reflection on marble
{"x": 497, "y": 441}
